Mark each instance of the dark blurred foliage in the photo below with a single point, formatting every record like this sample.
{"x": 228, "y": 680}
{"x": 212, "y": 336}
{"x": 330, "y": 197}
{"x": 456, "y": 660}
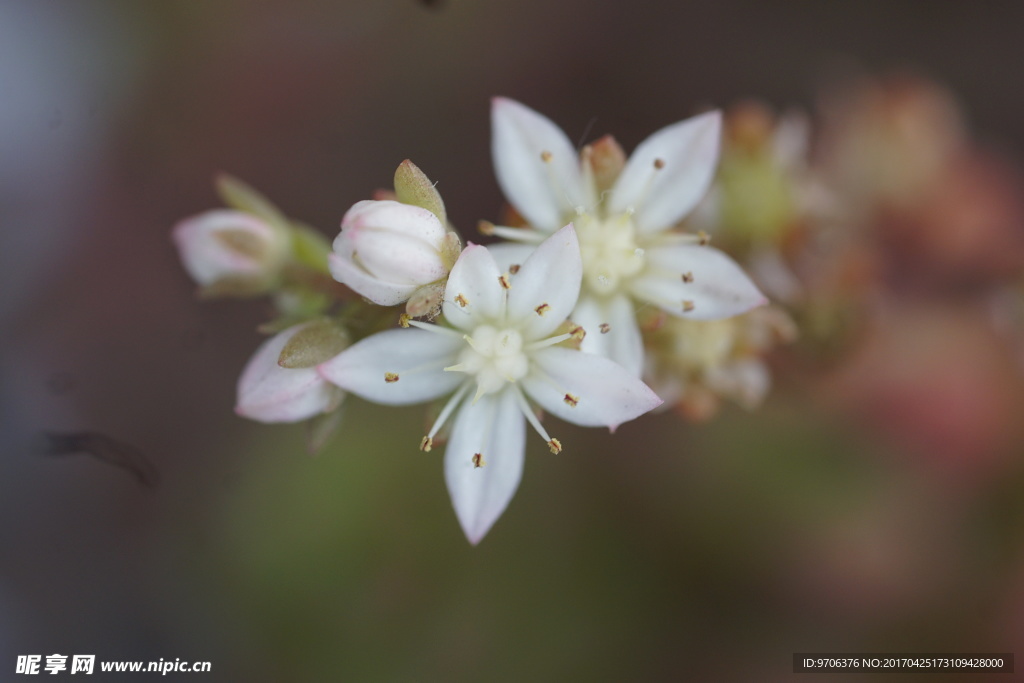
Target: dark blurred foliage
{"x": 875, "y": 502}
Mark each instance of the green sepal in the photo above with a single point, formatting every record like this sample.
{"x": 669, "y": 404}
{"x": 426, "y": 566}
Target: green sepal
{"x": 238, "y": 287}
{"x": 316, "y": 342}
{"x": 244, "y": 243}
{"x": 241, "y": 196}
{"x": 280, "y": 323}
{"x": 413, "y": 187}
{"x": 321, "y": 428}
{"x": 451, "y": 249}
{"x": 310, "y": 247}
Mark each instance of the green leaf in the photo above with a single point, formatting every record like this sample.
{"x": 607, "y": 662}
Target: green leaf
{"x": 413, "y": 187}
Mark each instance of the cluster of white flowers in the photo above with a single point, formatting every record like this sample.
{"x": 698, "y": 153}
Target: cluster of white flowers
{"x": 546, "y": 320}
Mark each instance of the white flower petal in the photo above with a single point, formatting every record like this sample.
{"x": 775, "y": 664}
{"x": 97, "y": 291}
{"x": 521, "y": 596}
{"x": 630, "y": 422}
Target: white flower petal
{"x": 718, "y": 287}
{"x": 622, "y": 342}
{"x": 474, "y": 294}
{"x": 543, "y": 192}
{"x": 358, "y": 280}
{"x": 604, "y": 393}
{"x": 269, "y": 393}
{"x": 509, "y": 254}
{"x": 546, "y": 288}
{"x": 494, "y": 427}
{"x": 406, "y": 219}
{"x": 405, "y": 260}
{"x": 687, "y": 152}
{"x": 416, "y": 356}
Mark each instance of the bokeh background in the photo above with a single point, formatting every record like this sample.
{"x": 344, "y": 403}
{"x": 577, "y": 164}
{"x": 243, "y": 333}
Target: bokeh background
{"x": 875, "y": 502}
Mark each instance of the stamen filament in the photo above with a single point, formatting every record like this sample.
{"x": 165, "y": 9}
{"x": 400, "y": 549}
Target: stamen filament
{"x": 671, "y": 305}
{"x": 525, "y": 235}
{"x": 550, "y": 341}
{"x": 540, "y": 374}
{"x": 675, "y": 238}
{"x": 449, "y": 407}
{"x": 589, "y": 181}
{"x": 648, "y": 186}
{"x": 437, "y": 329}
{"x": 528, "y": 413}
{"x": 436, "y": 365}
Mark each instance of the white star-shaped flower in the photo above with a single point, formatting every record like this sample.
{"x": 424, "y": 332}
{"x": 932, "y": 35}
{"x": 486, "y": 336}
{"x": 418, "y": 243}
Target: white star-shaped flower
{"x": 499, "y": 351}
{"x": 629, "y": 254}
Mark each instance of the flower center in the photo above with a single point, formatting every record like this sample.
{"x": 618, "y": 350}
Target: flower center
{"x": 494, "y": 356}
{"x": 609, "y": 251}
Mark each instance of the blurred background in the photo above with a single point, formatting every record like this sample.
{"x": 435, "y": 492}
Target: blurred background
{"x": 873, "y": 501}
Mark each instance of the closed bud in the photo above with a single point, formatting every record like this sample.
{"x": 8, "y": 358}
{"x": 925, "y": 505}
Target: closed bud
{"x": 269, "y": 392}
{"x": 225, "y": 246}
{"x": 387, "y": 250}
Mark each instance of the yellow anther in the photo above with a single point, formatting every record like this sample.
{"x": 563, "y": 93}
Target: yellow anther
{"x": 478, "y": 460}
{"x": 703, "y": 238}
{"x": 485, "y": 228}
{"x": 687, "y": 277}
{"x": 571, "y": 401}
{"x": 426, "y": 443}
{"x": 390, "y": 377}
{"x": 605, "y": 328}
{"x": 461, "y": 300}
{"x": 578, "y": 333}
{"x": 514, "y": 268}
{"x": 555, "y": 445}
{"x": 659, "y": 164}
{"x": 542, "y": 309}
{"x": 503, "y": 281}
{"x": 403, "y": 320}
{"x": 688, "y": 306}
{"x": 546, "y": 156}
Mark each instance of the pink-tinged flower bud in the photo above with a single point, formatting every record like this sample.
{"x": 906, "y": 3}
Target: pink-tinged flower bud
{"x": 387, "y": 250}
{"x": 268, "y": 392}
{"x": 225, "y": 246}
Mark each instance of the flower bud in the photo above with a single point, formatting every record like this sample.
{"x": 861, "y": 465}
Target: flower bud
{"x": 231, "y": 252}
{"x": 387, "y": 250}
{"x": 268, "y": 392}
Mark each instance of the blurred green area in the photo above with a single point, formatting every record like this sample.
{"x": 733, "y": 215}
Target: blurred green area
{"x": 715, "y": 551}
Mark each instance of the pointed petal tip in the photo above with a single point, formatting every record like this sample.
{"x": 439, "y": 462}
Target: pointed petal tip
{"x": 569, "y": 229}
{"x": 501, "y": 101}
{"x": 612, "y": 428}
{"x": 713, "y": 115}
{"x": 712, "y": 119}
